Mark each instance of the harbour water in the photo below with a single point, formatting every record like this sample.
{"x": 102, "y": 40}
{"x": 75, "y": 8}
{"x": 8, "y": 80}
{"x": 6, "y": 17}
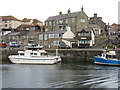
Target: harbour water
{"x": 61, "y": 75}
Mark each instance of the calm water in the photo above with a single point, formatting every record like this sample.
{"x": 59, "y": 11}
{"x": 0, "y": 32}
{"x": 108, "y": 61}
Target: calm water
{"x": 59, "y": 76}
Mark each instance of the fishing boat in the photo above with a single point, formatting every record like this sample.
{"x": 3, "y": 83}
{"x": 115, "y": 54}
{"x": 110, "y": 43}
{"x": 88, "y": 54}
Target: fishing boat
{"x": 107, "y": 58}
{"x": 34, "y": 55}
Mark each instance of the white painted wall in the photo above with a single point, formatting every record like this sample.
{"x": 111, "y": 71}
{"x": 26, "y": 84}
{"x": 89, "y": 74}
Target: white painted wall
{"x": 93, "y": 38}
{"x": 2, "y": 33}
{"x": 67, "y": 42}
{"x": 68, "y": 33}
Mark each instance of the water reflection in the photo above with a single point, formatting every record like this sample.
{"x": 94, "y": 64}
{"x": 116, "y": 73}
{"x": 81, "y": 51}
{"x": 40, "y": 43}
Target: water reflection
{"x": 59, "y": 76}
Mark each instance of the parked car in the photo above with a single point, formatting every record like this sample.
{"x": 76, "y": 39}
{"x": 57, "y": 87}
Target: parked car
{"x": 3, "y": 45}
{"x": 64, "y": 46}
{"x": 14, "y": 44}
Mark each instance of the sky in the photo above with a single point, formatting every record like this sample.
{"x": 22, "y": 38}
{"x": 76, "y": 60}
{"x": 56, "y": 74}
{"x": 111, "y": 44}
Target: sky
{"x": 42, "y": 9}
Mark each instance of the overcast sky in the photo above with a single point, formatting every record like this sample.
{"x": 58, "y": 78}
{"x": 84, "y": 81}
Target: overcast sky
{"x": 42, "y": 9}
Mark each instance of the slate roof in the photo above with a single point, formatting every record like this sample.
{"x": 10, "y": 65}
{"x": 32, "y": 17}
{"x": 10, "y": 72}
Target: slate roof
{"x": 33, "y": 33}
{"x": 55, "y": 32}
{"x": 63, "y": 16}
{"x": 94, "y": 26}
{"x": 84, "y": 29}
{"x": 21, "y": 33}
{"x": 13, "y": 33}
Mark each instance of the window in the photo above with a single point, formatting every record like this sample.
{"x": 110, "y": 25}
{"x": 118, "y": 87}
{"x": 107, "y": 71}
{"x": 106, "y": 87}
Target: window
{"x": 24, "y": 37}
{"x": 9, "y": 25}
{"x": 50, "y": 23}
{"x": 45, "y": 37}
{"x": 88, "y": 34}
{"x": 66, "y": 20}
{"x": 83, "y": 34}
{"x": 5, "y": 21}
{"x": 60, "y": 22}
{"x": 5, "y": 25}
{"x": 41, "y": 43}
{"x": 17, "y": 37}
{"x": 40, "y": 37}
{"x": 73, "y": 20}
{"x": 82, "y": 20}
{"x": 56, "y": 35}
{"x": 94, "y": 22}
{"x": 53, "y": 35}
{"x": 53, "y": 23}
{"x": 13, "y": 37}
{"x": 56, "y": 42}
{"x": 46, "y": 29}
{"x": 81, "y": 41}
{"x": 45, "y": 42}
{"x": 84, "y": 41}
{"x": 56, "y": 22}
{"x": 9, "y": 37}
{"x": 46, "y": 23}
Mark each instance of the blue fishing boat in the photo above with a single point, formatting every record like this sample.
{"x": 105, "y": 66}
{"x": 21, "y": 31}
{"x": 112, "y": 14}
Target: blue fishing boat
{"x": 107, "y": 58}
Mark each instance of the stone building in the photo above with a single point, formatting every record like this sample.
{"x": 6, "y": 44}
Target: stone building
{"x": 85, "y": 37}
{"x": 75, "y": 20}
{"x": 97, "y": 24}
{"x": 52, "y": 39}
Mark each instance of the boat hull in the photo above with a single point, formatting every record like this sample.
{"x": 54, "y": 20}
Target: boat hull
{"x": 102, "y": 61}
{"x": 34, "y": 60}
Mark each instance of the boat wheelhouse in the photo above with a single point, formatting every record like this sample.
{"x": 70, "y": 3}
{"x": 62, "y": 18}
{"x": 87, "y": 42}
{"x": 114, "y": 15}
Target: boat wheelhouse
{"x": 107, "y": 58}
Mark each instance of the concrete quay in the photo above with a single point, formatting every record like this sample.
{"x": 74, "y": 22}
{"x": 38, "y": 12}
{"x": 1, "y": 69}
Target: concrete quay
{"x": 68, "y": 55}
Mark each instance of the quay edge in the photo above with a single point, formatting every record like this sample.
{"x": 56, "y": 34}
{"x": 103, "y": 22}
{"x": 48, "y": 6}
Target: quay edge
{"x": 68, "y": 55}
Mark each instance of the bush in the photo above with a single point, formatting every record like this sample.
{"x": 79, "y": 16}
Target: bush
{"x": 110, "y": 46}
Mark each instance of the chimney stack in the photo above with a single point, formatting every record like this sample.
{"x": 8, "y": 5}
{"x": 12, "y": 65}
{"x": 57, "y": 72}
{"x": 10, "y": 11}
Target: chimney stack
{"x": 95, "y": 14}
{"x": 60, "y": 13}
{"x": 69, "y": 11}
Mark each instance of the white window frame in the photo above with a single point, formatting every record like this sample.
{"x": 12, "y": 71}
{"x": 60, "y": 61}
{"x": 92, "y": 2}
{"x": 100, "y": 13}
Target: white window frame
{"x": 56, "y": 42}
{"x": 45, "y": 37}
{"x": 41, "y": 37}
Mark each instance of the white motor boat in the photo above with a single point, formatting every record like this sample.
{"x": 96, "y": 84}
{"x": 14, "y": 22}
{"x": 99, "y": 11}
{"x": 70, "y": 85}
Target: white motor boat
{"x": 34, "y": 55}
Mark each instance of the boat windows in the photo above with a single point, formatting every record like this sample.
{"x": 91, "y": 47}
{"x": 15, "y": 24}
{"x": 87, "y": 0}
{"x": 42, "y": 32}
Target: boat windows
{"x": 21, "y": 54}
{"x": 33, "y": 53}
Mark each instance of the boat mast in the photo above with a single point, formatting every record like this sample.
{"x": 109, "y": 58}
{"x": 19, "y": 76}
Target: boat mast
{"x": 56, "y": 52}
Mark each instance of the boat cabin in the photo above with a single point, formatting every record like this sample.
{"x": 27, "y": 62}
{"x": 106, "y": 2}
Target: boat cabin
{"x": 108, "y": 54}
{"x": 32, "y": 53}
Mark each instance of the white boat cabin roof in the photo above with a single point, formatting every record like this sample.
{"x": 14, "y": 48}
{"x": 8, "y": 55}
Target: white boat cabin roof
{"x": 32, "y": 51}
{"x": 111, "y": 53}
